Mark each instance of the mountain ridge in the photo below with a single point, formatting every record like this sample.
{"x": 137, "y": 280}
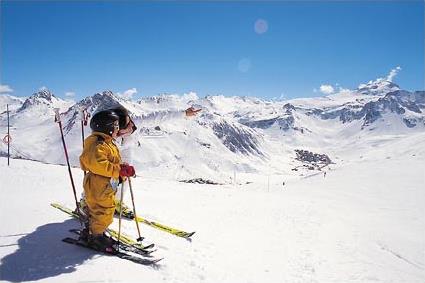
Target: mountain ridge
{"x": 230, "y": 133}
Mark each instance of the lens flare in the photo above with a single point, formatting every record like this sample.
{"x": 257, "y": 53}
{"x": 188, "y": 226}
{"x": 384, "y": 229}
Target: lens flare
{"x": 244, "y": 65}
{"x": 261, "y": 26}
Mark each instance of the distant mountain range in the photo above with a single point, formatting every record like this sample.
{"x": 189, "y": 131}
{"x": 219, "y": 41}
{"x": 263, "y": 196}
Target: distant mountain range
{"x": 243, "y": 134}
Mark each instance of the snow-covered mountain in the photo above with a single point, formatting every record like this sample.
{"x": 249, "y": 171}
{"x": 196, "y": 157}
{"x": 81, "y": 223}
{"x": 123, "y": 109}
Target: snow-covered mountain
{"x": 41, "y": 99}
{"x": 34, "y": 108}
{"x": 13, "y": 101}
{"x": 231, "y": 134}
{"x": 377, "y": 87}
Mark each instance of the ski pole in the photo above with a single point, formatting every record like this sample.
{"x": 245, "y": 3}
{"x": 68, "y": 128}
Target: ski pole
{"x": 84, "y": 115}
{"x": 82, "y": 125}
{"x": 134, "y": 210}
{"x": 120, "y": 217}
{"x": 58, "y": 120}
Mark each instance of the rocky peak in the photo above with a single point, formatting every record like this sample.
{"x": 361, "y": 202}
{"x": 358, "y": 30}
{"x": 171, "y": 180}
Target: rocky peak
{"x": 104, "y": 100}
{"x": 377, "y": 87}
{"x": 43, "y": 97}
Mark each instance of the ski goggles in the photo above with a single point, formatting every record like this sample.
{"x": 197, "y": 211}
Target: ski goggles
{"x": 129, "y": 128}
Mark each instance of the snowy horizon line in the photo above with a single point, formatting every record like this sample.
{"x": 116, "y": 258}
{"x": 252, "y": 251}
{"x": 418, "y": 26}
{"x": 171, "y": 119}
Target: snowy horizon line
{"x": 129, "y": 94}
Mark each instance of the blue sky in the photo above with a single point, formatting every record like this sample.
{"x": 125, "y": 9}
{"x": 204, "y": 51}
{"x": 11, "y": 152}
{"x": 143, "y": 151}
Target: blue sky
{"x": 264, "y": 49}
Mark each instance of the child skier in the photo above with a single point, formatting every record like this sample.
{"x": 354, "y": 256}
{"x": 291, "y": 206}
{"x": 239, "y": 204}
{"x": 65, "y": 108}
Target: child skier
{"x": 102, "y": 161}
{"x": 127, "y": 142}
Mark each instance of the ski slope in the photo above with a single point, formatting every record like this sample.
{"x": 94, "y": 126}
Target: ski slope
{"x": 363, "y": 222}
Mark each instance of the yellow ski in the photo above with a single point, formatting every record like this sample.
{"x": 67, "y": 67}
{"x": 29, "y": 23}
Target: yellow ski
{"x": 176, "y": 232}
{"x": 124, "y": 238}
{"x": 165, "y": 228}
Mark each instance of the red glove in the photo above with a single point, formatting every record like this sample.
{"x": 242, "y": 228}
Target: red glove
{"x": 127, "y": 171}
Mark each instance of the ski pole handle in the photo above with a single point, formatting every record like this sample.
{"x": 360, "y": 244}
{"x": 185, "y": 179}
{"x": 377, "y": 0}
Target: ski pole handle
{"x": 82, "y": 113}
{"x": 57, "y": 115}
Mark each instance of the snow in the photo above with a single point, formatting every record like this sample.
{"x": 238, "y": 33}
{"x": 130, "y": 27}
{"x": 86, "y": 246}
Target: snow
{"x": 363, "y": 222}
{"x": 13, "y": 101}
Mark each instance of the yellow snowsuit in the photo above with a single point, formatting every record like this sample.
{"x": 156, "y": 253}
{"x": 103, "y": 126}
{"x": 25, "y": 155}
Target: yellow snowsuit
{"x": 101, "y": 158}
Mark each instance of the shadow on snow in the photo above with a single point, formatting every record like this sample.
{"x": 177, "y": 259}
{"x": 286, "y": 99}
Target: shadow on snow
{"x": 42, "y": 254}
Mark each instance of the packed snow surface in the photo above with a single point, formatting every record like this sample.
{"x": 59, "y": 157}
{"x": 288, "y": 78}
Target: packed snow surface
{"x": 362, "y": 222}
{"x": 325, "y": 189}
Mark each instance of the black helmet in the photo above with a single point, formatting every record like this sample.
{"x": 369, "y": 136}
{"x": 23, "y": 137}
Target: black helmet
{"x": 122, "y": 114}
{"x": 103, "y": 122}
